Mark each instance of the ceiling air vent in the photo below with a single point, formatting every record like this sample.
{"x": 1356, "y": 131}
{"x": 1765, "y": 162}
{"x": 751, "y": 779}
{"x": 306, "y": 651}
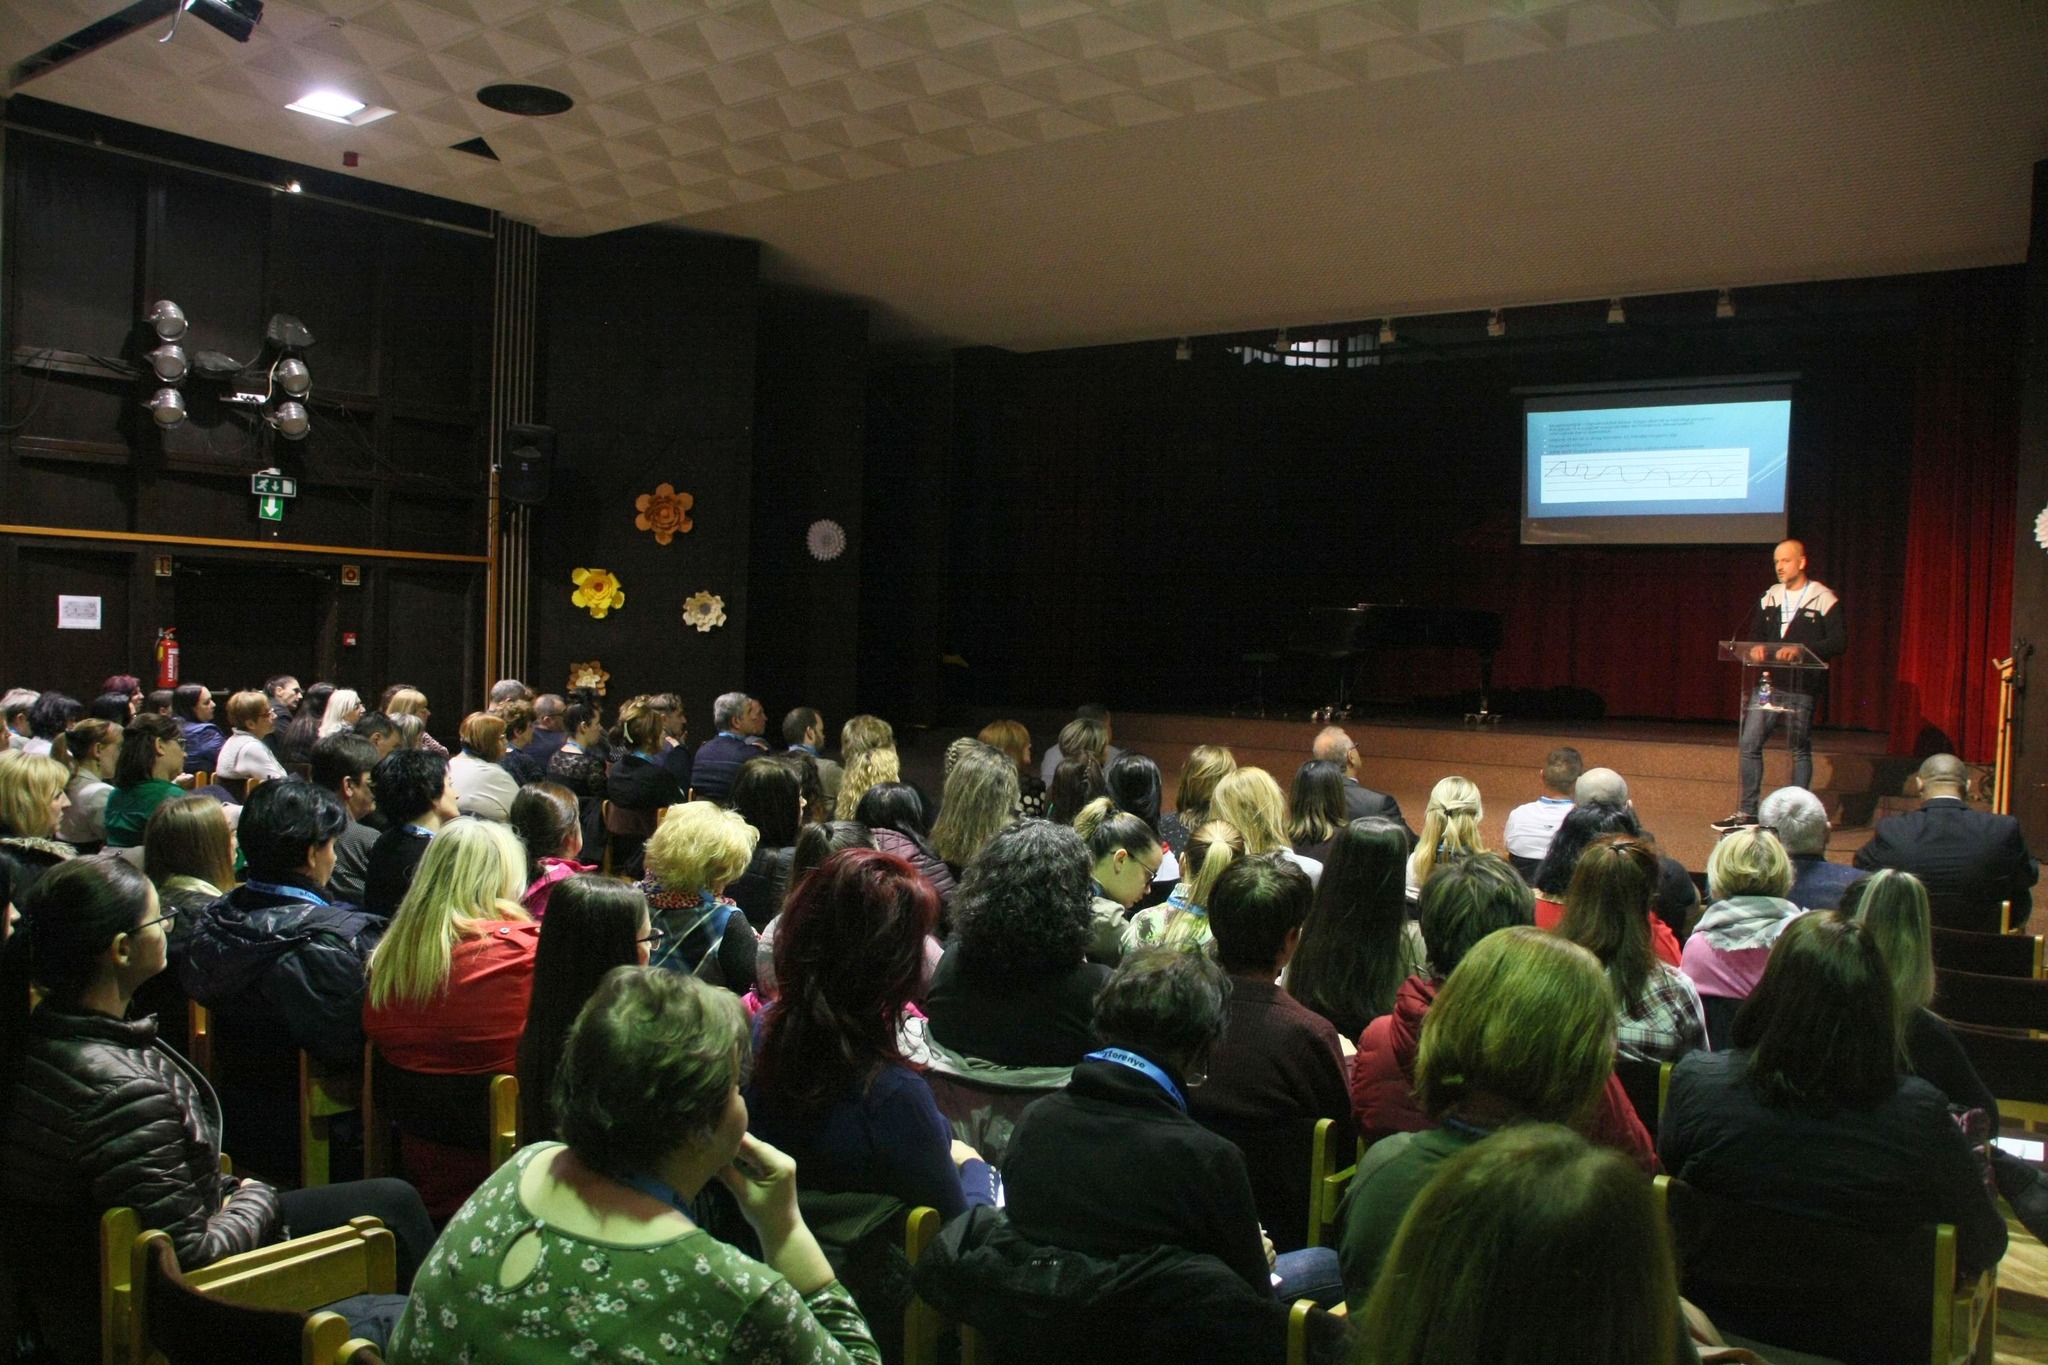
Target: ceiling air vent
{"x": 476, "y": 146}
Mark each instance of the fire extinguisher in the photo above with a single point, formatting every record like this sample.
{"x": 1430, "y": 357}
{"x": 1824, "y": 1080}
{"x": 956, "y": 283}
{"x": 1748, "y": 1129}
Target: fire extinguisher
{"x": 167, "y": 657}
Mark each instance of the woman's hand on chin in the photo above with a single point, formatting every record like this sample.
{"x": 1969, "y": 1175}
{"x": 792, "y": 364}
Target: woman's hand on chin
{"x": 763, "y": 1179}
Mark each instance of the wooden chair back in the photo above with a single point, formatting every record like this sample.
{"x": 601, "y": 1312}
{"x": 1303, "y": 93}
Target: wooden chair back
{"x": 2009, "y": 1002}
{"x": 504, "y": 1120}
{"x": 454, "y": 1111}
{"x": 1647, "y": 1084}
{"x": 1959, "y": 950}
{"x": 359, "y": 1352}
{"x": 199, "y": 1037}
{"x": 924, "y": 1327}
{"x": 323, "y": 1097}
{"x": 237, "y": 787}
{"x": 2013, "y": 1066}
{"x": 1973, "y": 915}
{"x": 1327, "y": 1183}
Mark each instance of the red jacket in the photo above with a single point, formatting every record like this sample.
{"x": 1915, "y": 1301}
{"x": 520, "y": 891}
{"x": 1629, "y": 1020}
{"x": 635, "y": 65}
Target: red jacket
{"x": 1383, "y": 1082}
{"x": 473, "y": 1028}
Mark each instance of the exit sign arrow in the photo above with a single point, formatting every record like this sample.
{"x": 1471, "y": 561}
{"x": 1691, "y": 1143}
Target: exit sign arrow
{"x": 270, "y": 509}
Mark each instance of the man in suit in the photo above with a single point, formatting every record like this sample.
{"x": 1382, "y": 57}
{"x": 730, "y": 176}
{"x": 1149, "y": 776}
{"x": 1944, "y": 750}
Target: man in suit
{"x": 1333, "y": 745}
{"x": 1972, "y": 858}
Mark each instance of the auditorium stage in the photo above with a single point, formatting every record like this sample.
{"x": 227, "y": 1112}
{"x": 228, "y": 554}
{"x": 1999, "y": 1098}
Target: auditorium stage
{"x": 1681, "y": 775}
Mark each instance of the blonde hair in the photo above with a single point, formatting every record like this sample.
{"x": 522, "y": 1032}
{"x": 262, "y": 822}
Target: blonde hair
{"x": 1251, "y": 800}
{"x": 980, "y": 797}
{"x": 700, "y": 845}
{"x": 1449, "y": 825}
{"x": 1210, "y": 852}
{"x": 471, "y": 877}
{"x": 868, "y": 768}
{"x": 188, "y": 836}
{"x": 1748, "y": 862}
{"x": 860, "y": 734}
{"x": 28, "y": 784}
{"x": 1207, "y": 765}
{"x": 335, "y": 718}
{"x": 484, "y": 733}
{"x": 642, "y": 724}
{"x": 406, "y": 701}
{"x": 1010, "y": 737}
{"x": 1893, "y": 910}
{"x": 410, "y": 727}
{"x": 84, "y": 741}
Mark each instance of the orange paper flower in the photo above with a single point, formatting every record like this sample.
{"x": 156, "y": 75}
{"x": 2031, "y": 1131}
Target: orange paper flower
{"x": 664, "y": 512}
{"x": 590, "y": 675}
{"x": 597, "y": 591}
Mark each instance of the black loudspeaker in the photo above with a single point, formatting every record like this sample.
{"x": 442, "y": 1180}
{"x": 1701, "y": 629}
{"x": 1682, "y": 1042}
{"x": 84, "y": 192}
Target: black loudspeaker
{"x": 528, "y": 465}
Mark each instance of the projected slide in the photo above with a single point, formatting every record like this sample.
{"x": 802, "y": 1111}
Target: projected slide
{"x": 1665, "y": 465}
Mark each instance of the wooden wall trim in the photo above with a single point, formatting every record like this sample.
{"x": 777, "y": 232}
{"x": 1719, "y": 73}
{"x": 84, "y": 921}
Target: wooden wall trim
{"x": 287, "y": 546}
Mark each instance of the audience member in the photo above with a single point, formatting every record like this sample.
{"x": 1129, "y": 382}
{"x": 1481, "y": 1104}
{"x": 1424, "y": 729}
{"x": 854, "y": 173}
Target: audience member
{"x": 814, "y": 844}
{"x": 1450, "y": 830}
{"x": 1526, "y": 837}
{"x": 862, "y": 733}
{"x": 1093, "y": 739}
{"x": 14, "y": 707}
{"x": 1125, "y": 854}
{"x": 32, "y": 802}
{"x": 831, "y": 1086}
{"x": 1113, "y": 1164}
{"x": 49, "y": 716}
{"x": 1183, "y": 920}
{"x": 412, "y": 734}
{"x": 740, "y": 721}
{"x": 1316, "y": 808}
{"x": 637, "y": 781}
{"x": 549, "y": 825}
{"x": 597, "y": 924}
{"x": 1278, "y": 1067}
{"x": 767, "y": 794}
{"x": 868, "y": 768}
{"x": 93, "y": 749}
{"x": 1206, "y": 765}
{"x": 1747, "y": 878}
{"x": 1075, "y": 782}
{"x": 115, "y": 708}
{"x": 1528, "y": 1247}
{"x": 380, "y": 730}
{"x": 1799, "y": 820}
{"x": 344, "y": 708}
{"x": 1522, "y": 1032}
{"x": 1134, "y": 782}
{"x": 894, "y": 812}
{"x": 410, "y": 701}
{"x": 1333, "y": 744}
{"x": 699, "y": 849}
{"x": 1678, "y": 899}
{"x": 295, "y": 742}
{"x": 504, "y": 692}
{"x": 416, "y": 800}
{"x": 1358, "y": 944}
{"x": 193, "y": 706}
{"x": 149, "y": 771}
{"x": 579, "y": 765}
{"x": 93, "y": 1115}
{"x": 342, "y": 764}
{"x": 188, "y": 853}
{"x": 1583, "y": 824}
{"x": 803, "y": 732}
{"x": 1809, "y": 1113}
{"x": 1015, "y": 987}
{"x": 246, "y": 753}
{"x": 520, "y": 766}
{"x": 160, "y": 702}
{"x": 647, "y": 1093}
{"x": 981, "y": 796}
{"x": 675, "y": 738}
{"x": 1250, "y": 800}
{"x": 1607, "y": 912}
{"x": 1969, "y": 860}
{"x": 482, "y": 788}
{"x": 549, "y": 732}
{"x": 129, "y": 686}
{"x": 1013, "y": 741}
{"x": 282, "y": 692}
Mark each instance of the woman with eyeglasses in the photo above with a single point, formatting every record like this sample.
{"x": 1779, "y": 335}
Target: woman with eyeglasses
{"x": 594, "y": 924}
{"x": 149, "y": 772}
{"x": 96, "y": 1113}
{"x": 1125, "y": 853}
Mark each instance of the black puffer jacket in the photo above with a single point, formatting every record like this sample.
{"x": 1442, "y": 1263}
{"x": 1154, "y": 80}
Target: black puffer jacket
{"x": 289, "y": 969}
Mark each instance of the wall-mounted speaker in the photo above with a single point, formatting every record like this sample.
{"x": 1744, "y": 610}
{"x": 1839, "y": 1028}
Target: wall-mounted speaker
{"x": 528, "y": 464}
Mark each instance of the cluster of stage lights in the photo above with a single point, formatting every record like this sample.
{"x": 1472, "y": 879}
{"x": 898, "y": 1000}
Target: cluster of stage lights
{"x": 287, "y": 374}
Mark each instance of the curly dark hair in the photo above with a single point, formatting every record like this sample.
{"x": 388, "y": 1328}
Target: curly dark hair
{"x": 1025, "y": 908}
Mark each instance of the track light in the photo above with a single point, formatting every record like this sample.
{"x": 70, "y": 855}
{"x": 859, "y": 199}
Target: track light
{"x": 1724, "y": 307}
{"x": 291, "y": 421}
{"x": 1184, "y": 350}
{"x": 1386, "y": 331}
{"x": 168, "y": 360}
{"x": 168, "y": 407}
{"x": 292, "y": 376}
{"x": 1494, "y": 326}
{"x": 1615, "y": 315}
{"x": 167, "y": 319}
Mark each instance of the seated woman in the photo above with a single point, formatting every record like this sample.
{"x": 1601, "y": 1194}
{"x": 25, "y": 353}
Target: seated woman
{"x": 95, "y": 1113}
{"x": 188, "y": 853}
{"x": 588, "y": 1249}
{"x": 92, "y": 750}
{"x": 768, "y": 794}
{"x": 1206, "y": 765}
{"x": 1316, "y": 808}
{"x": 1748, "y": 875}
{"x": 344, "y": 708}
{"x": 637, "y": 781}
{"x": 597, "y": 924}
{"x": 1358, "y": 945}
{"x": 1462, "y": 905}
{"x": 521, "y": 767}
{"x": 698, "y": 851}
{"x": 1015, "y": 987}
{"x": 1892, "y": 908}
{"x": 1607, "y": 912}
{"x": 831, "y": 1086}
{"x": 1013, "y": 741}
{"x": 1250, "y": 800}
{"x": 450, "y": 982}
{"x": 1530, "y": 1237}
{"x": 1113, "y": 1164}
{"x": 193, "y": 707}
{"x": 1125, "y": 853}
{"x": 245, "y": 754}
{"x": 416, "y": 800}
{"x": 1809, "y": 1113}
{"x": 894, "y": 813}
{"x": 868, "y": 768}
{"x": 1133, "y": 781}
{"x": 579, "y": 765}
{"x": 410, "y": 701}
{"x": 814, "y": 844}
{"x": 49, "y": 717}
{"x": 149, "y": 772}
{"x": 1075, "y": 782}
{"x": 1182, "y": 921}
{"x": 295, "y": 742}
{"x": 482, "y": 788}
{"x": 1450, "y": 830}
{"x": 981, "y": 796}
{"x": 32, "y": 802}
{"x": 548, "y": 822}
{"x": 1521, "y": 1032}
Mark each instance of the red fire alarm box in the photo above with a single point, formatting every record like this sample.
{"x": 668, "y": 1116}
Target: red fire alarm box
{"x": 348, "y": 639}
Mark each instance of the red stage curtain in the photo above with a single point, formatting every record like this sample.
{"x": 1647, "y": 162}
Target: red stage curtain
{"x": 1956, "y": 609}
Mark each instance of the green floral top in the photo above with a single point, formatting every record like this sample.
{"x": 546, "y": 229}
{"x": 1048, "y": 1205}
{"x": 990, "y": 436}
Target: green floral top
{"x": 692, "y": 1298}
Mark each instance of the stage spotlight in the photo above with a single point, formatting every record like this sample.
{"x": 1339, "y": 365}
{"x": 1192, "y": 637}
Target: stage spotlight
{"x": 1615, "y": 315}
{"x": 291, "y": 421}
{"x": 1724, "y": 307}
{"x": 1386, "y": 331}
{"x": 168, "y": 360}
{"x": 236, "y": 18}
{"x": 292, "y": 376}
{"x": 167, "y": 319}
{"x": 167, "y": 406}
{"x": 1495, "y": 327}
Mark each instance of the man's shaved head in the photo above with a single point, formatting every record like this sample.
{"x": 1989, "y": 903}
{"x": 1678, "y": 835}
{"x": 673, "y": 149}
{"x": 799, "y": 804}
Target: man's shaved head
{"x": 1601, "y": 786}
{"x": 1944, "y": 770}
{"x": 1331, "y": 744}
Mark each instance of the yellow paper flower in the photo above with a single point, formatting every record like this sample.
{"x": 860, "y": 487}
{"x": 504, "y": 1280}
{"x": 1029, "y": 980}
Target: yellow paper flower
{"x": 597, "y": 590}
{"x": 664, "y": 512}
{"x": 592, "y": 675}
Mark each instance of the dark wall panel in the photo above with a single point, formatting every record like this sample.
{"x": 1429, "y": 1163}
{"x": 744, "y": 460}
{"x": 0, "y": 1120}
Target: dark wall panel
{"x": 426, "y": 615}
{"x": 240, "y": 621}
{"x": 325, "y": 266}
{"x": 2030, "y": 565}
{"x": 72, "y": 661}
{"x": 212, "y": 256}
{"x": 905, "y": 514}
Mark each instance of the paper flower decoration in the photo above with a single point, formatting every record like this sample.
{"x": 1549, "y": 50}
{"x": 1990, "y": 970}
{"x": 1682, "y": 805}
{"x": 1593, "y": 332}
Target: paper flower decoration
{"x": 664, "y": 512}
{"x": 704, "y": 611}
{"x": 597, "y": 591}
{"x": 590, "y": 675}
{"x": 826, "y": 540}
{"x": 2041, "y": 528}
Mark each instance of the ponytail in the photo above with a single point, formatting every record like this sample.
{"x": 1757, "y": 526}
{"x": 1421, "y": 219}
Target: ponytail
{"x": 1105, "y": 829}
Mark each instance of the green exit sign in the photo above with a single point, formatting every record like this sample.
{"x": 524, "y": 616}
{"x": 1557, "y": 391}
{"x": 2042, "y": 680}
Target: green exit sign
{"x": 270, "y": 509}
{"x": 273, "y": 486}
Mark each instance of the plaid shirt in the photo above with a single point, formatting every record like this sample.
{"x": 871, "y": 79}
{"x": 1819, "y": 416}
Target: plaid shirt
{"x": 1667, "y": 1022}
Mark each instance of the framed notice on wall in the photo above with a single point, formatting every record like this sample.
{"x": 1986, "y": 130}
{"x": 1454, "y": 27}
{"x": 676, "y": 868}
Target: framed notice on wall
{"x": 78, "y": 613}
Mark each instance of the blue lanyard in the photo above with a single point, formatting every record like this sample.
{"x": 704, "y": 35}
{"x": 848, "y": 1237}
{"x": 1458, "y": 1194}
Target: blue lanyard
{"x": 1470, "y": 1131}
{"x": 297, "y": 893}
{"x": 1143, "y": 1067}
{"x": 654, "y": 1189}
{"x": 423, "y": 833}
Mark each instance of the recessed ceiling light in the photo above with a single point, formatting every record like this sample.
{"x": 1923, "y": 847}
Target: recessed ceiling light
{"x": 336, "y": 107}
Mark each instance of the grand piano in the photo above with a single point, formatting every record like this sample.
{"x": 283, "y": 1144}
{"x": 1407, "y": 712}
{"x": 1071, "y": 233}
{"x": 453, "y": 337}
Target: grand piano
{"x": 1342, "y": 636}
